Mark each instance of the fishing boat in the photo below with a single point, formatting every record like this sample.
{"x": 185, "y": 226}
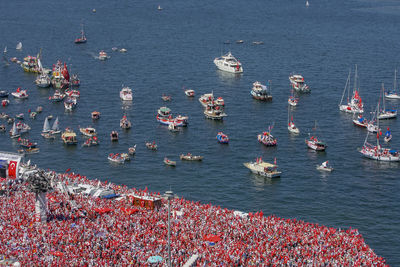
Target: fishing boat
{"x": 70, "y": 103}
{"x": 222, "y": 138}
{"x": 165, "y": 117}
{"x": 228, "y": 63}
{"x": 386, "y": 113}
{"x": 209, "y": 99}
{"x": 293, "y": 100}
{"x": 55, "y": 128}
{"x": 263, "y": 168}
{"x": 354, "y": 104}
{"x": 378, "y": 152}
{"x": 267, "y": 139}
{"x": 92, "y": 141}
{"x": 189, "y": 93}
{"x": 169, "y": 162}
{"x": 82, "y": 39}
{"x": 5, "y": 102}
{"x": 298, "y": 84}
{"x": 291, "y": 126}
{"x": 325, "y": 167}
{"x": 116, "y": 158}
{"x": 95, "y": 115}
{"x": 388, "y": 136}
{"x": 57, "y": 96}
{"x": 4, "y": 94}
{"x": 314, "y": 143}
{"x": 151, "y": 145}
{"x": 19, "y": 46}
{"x": 260, "y": 92}
{"x": 103, "y": 55}
{"x": 73, "y": 93}
{"x": 14, "y": 133}
{"x": 190, "y": 157}
{"x": 132, "y": 150}
{"x": 20, "y": 94}
{"x": 393, "y": 94}
{"x": 124, "y": 123}
{"x": 360, "y": 121}
{"x": 126, "y": 94}
{"x": 88, "y": 131}
{"x": 214, "y": 112}
{"x": 166, "y": 97}
{"x": 114, "y": 136}
{"x": 69, "y": 137}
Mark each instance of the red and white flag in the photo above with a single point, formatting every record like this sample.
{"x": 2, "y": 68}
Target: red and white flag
{"x": 12, "y": 169}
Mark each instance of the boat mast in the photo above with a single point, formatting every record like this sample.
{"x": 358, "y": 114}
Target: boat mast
{"x": 355, "y": 81}
{"x": 345, "y": 87}
{"x": 395, "y": 81}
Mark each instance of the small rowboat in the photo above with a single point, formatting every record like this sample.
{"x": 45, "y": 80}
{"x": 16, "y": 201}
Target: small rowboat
{"x": 190, "y": 157}
{"x": 151, "y": 146}
{"x": 169, "y": 162}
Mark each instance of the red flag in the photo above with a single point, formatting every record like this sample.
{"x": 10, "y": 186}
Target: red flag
{"x": 275, "y": 161}
{"x": 68, "y": 170}
{"x": 12, "y": 169}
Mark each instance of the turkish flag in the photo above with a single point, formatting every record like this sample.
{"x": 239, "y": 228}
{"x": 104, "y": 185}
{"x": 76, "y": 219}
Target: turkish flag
{"x": 12, "y": 169}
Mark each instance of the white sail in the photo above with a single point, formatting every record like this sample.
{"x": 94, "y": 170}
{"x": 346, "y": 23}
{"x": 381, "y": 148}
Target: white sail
{"x": 46, "y": 126}
{"x": 19, "y": 46}
{"x": 40, "y": 66}
{"x": 5, "y": 49}
{"x": 14, "y": 130}
{"x": 55, "y": 126}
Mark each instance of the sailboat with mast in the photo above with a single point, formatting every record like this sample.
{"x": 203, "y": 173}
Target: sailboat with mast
{"x": 377, "y": 152}
{"x": 14, "y": 133}
{"x": 55, "y": 128}
{"x": 393, "y": 94}
{"x": 355, "y": 104}
{"x": 291, "y": 126}
{"x": 386, "y": 113}
{"x": 82, "y": 39}
{"x": 314, "y": 142}
{"x": 5, "y": 56}
{"x": 42, "y": 80}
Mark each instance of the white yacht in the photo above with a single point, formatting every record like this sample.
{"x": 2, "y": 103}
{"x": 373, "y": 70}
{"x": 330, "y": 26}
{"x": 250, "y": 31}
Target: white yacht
{"x": 228, "y": 63}
{"x": 126, "y": 94}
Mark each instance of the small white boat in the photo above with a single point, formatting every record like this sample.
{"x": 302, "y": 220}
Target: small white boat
{"x": 88, "y": 131}
{"x": 293, "y": 100}
{"x": 43, "y": 80}
{"x": 228, "y": 63}
{"x": 393, "y": 94}
{"x": 103, "y": 55}
{"x": 70, "y": 103}
{"x": 324, "y": 167}
{"x": 169, "y": 162}
{"x": 172, "y": 127}
{"x": 126, "y": 94}
{"x": 189, "y": 92}
{"x": 132, "y": 150}
{"x": 297, "y": 82}
{"x": 260, "y": 92}
{"x": 19, "y": 46}
{"x": 159, "y": 7}
{"x": 21, "y": 94}
{"x": 123, "y": 50}
{"x": 384, "y": 113}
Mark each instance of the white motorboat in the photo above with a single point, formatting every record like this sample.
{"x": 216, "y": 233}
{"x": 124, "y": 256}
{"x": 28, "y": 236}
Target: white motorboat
{"x": 103, "y": 55}
{"x": 297, "y": 82}
{"x": 354, "y": 104}
{"x": 214, "y": 112}
{"x": 21, "y": 94}
{"x": 124, "y": 123}
{"x": 88, "y": 131}
{"x": 172, "y": 127}
{"x": 228, "y": 63}
{"x": 116, "y": 158}
{"x": 393, "y": 94}
{"x": 189, "y": 92}
{"x": 324, "y": 167}
{"x": 43, "y": 80}
{"x": 260, "y": 92}
{"x": 70, "y": 103}
{"x": 263, "y": 168}
{"x": 126, "y": 94}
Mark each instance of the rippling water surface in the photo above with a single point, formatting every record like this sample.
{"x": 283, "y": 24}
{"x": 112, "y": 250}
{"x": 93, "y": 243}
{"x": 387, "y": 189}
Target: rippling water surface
{"x": 175, "y": 47}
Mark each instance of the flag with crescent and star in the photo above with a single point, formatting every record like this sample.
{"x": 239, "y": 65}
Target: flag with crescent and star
{"x": 12, "y": 169}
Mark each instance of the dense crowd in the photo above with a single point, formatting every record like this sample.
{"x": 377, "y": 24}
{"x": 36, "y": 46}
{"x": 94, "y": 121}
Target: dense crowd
{"x": 88, "y": 231}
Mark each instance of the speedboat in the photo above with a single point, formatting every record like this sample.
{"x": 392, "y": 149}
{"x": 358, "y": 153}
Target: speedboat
{"x": 222, "y": 138}
{"x": 324, "y": 167}
{"x": 126, "y": 94}
{"x": 297, "y": 82}
{"x": 21, "y": 94}
{"x": 189, "y": 92}
{"x": 169, "y": 162}
{"x": 228, "y": 63}
{"x": 103, "y": 55}
{"x": 88, "y": 131}
{"x": 173, "y": 128}
{"x": 4, "y": 93}
{"x": 166, "y": 97}
{"x": 260, "y": 92}
{"x": 315, "y": 144}
{"x": 388, "y": 136}
{"x": 164, "y": 116}
{"x": 263, "y": 168}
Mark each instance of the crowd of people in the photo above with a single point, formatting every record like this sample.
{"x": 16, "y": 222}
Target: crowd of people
{"x": 82, "y": 230}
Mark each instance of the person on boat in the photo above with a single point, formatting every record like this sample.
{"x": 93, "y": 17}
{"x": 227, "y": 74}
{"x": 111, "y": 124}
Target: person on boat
{"x": 388, "y": 133}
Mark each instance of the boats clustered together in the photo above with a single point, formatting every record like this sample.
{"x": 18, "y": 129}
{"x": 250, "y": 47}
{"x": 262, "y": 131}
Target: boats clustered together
{"x": 98, "y": 223}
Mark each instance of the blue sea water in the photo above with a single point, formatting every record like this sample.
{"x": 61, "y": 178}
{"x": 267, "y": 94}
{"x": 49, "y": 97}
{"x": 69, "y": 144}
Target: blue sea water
{"x": 174, "y": 48}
